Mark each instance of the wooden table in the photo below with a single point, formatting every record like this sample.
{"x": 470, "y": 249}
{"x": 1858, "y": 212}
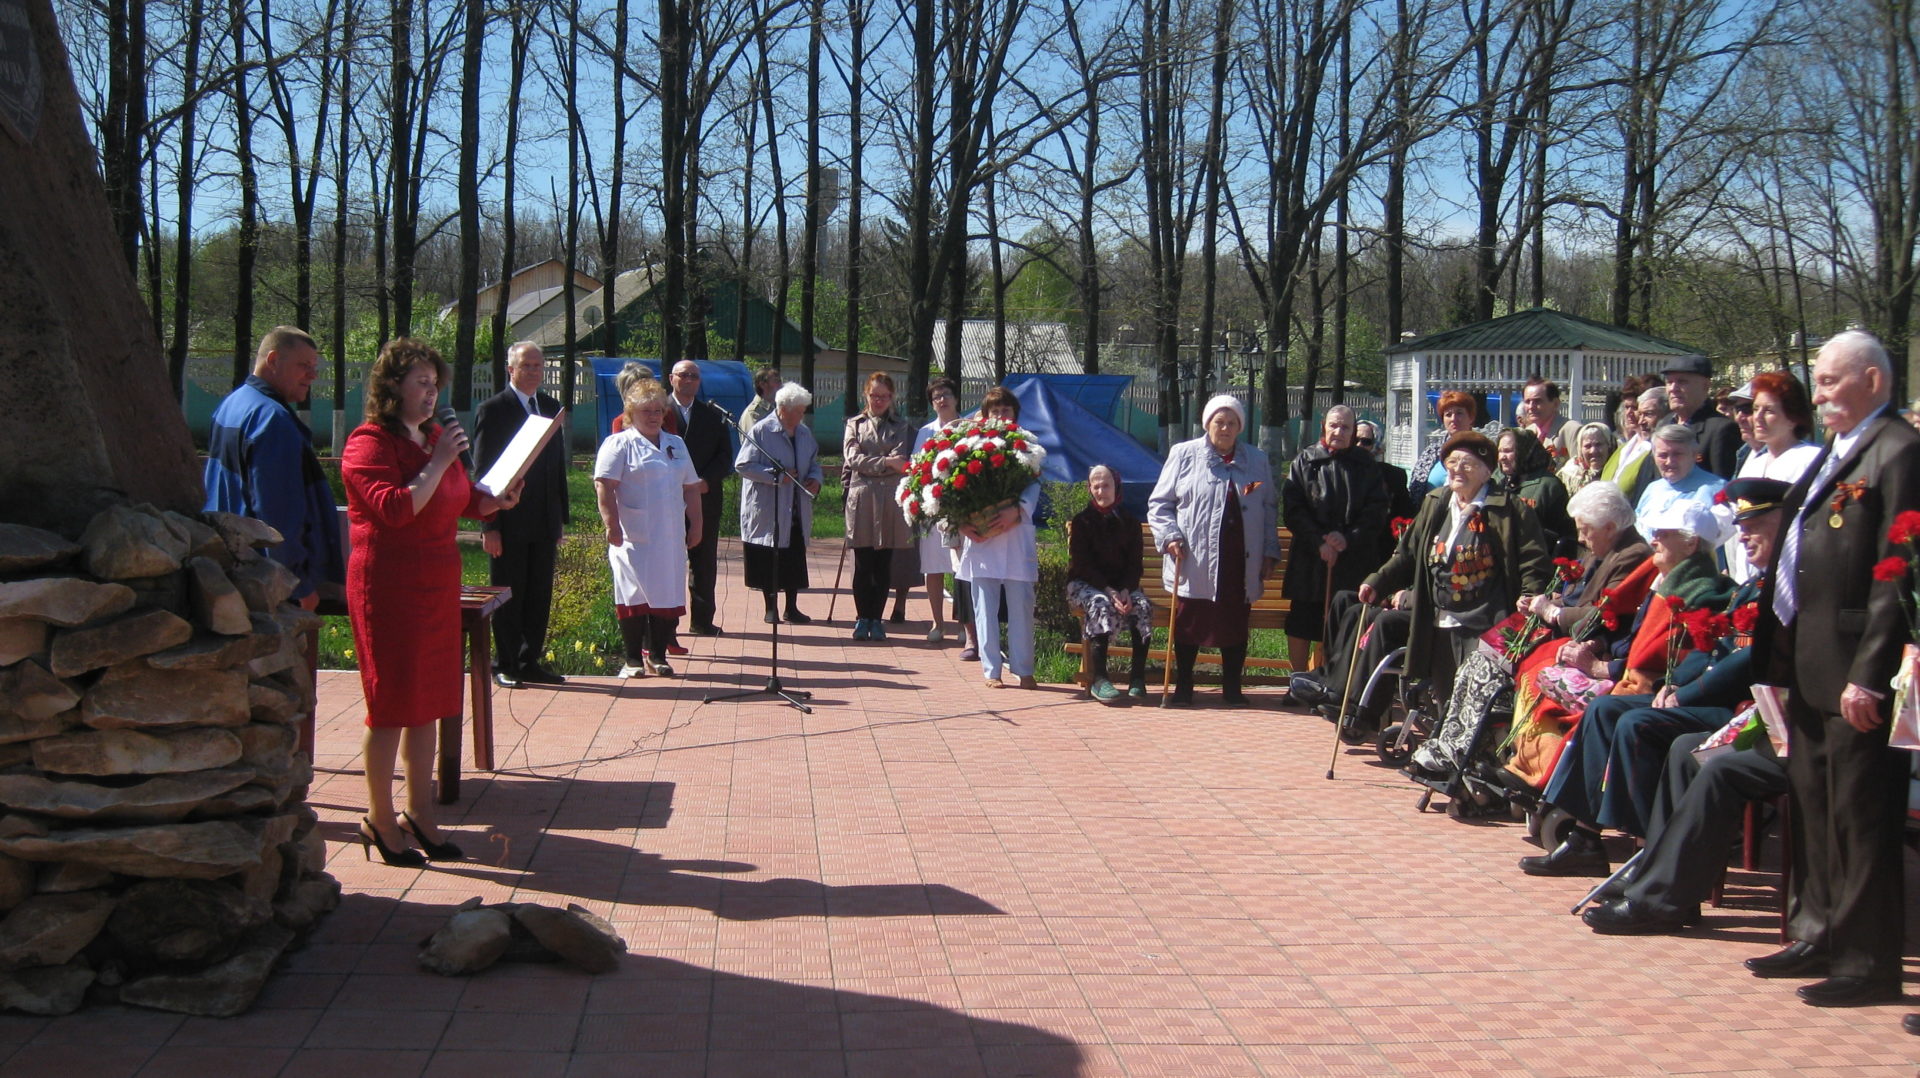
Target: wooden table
{"x": 477, "y": 604}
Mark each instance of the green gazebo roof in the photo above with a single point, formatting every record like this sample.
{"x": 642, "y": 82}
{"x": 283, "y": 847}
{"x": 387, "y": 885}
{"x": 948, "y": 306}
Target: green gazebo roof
{"x": 1538, "y": 328}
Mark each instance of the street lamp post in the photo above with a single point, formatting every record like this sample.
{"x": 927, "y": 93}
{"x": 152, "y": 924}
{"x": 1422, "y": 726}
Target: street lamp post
{"x": 1189, "y": 380}
{"x": 1250, "y": 358}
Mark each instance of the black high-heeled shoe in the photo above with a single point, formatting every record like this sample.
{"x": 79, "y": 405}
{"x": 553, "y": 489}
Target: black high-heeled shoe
{"x": 370, "y": 837}
{"x": 436, "y": 851}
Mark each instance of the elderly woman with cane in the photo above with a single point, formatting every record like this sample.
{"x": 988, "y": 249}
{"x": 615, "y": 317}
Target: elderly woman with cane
{"x": 1215, "y": 514}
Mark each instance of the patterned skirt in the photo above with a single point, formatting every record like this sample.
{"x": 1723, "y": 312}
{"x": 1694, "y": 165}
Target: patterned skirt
{"x": 1098, "y": 615}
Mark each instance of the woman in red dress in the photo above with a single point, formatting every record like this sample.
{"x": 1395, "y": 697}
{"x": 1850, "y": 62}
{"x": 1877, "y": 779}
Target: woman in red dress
{"x": 406, "y": 489}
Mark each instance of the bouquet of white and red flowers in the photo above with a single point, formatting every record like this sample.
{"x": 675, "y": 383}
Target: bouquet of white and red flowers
{"x": 969, "y": 472}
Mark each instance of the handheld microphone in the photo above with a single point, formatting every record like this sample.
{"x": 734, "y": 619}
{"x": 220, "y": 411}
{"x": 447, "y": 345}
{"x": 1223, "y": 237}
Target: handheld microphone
{"x": 449, "y": 423}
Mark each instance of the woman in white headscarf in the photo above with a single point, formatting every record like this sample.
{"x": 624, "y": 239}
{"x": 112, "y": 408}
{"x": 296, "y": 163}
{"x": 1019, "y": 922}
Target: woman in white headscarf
{"x": 1216, "y": 516}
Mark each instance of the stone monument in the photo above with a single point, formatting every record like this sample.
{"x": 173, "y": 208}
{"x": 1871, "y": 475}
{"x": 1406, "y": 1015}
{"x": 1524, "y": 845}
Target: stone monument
{"x": 155, "y": 844}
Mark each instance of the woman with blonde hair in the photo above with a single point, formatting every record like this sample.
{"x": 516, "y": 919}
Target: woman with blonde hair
{"x": 406, "y": 491}
{"x": 649, "y": 498}
{"x": 873, "y": 456}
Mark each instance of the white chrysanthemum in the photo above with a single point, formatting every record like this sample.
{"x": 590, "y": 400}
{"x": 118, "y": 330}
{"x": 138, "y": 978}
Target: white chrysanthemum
{"x": 929, "y": 503}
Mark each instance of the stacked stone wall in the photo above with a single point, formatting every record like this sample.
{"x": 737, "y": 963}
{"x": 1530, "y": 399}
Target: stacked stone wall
{"x": 155, "y": 844}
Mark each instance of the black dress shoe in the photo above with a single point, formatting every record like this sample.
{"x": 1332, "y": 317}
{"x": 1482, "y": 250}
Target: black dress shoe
{"x": 771, "y": 618}
{"x": 1234, "y": 700}
{"x": 540, "y": 675}
{"x": 705, "y": 630}
{"x": 1796, "y": 959}
{"x": 505, "y": 680}
{"x": 1180, "y": 698}
{"x": 795, "y": 617}
{"x": 1579, "y": 855}
{"x": 1848, "y": 992}
{"x": 1622, "y": 918}
{"x": 1911, "y": 1023}
{"x": 1305, "y": 690}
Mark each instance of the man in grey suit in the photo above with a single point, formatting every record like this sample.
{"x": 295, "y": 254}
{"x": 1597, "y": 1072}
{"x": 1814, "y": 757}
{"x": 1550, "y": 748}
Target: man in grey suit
{"x": 1833, "y": 636}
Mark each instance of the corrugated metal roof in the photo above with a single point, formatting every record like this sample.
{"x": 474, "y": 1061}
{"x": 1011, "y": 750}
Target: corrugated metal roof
{"x": 1540, "y": 328}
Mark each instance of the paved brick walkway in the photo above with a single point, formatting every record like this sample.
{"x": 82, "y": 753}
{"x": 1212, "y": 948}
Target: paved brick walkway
{"x": 927, "y": 877}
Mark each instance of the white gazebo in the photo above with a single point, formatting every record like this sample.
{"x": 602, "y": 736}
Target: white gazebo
{"x": 1587, "y": 359}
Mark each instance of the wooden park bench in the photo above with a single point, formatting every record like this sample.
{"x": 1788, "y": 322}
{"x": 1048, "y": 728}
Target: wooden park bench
{"x": 1269, "y": 612}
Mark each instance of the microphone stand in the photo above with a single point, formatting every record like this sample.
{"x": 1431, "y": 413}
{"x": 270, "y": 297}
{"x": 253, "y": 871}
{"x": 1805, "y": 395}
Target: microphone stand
{"x": 773, "y": 687}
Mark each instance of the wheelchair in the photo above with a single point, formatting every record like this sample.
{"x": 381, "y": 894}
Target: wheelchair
{"x": 1409, "y": 716}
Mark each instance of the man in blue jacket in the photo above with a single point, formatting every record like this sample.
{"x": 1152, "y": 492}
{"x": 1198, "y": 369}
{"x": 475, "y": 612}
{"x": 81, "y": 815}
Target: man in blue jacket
{"x": 261, "y": 464}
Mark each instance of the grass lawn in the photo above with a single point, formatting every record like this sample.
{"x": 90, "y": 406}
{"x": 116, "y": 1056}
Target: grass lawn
{"x": 582, "y": 637}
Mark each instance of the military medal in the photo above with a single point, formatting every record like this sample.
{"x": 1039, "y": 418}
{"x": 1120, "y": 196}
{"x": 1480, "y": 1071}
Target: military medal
{"x": 1844, "y": 493}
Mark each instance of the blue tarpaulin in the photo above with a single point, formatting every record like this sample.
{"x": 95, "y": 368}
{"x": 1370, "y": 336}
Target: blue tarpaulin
{"x": 727, "y": 383}
{"x": 1099, "y": 394}
{"x": 1076, "y": 439}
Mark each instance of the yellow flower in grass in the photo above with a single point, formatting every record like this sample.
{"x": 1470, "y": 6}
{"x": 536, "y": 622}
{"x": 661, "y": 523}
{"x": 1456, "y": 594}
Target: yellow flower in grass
{"x": 549, "y": 654}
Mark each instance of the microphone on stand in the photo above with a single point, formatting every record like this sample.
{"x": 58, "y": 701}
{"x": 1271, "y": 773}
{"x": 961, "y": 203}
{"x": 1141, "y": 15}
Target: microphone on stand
{"x": 449, "y": 423}
{"x": 722, "y": 410}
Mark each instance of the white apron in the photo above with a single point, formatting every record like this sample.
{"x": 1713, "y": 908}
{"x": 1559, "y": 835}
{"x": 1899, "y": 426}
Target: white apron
{"x": 650, "y": 564}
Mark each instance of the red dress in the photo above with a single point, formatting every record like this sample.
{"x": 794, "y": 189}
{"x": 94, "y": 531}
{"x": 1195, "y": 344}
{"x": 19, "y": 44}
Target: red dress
{"x": 403, "y": 578}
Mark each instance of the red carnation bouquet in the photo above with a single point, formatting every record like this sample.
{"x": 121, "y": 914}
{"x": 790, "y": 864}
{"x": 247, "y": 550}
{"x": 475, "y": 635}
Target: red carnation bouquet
{"x": 1903, "y": 571}
{"x": 1514, "y": 642}
{"x": 1698, "y": 629}
{"x": 969, "y": 472}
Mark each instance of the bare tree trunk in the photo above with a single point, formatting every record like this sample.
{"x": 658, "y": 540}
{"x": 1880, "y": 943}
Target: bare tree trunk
{"x": 810, "y": 238}
{"x": 996, "y": 267}
{"x": 610, "y": 237}
{"x": 403, "y": 181}
{"x": 343, "y": 163}
{"x": 1210, "y": 217}
{"x": 124, "y": 125}
{"x": 574, "y": 135}
{"x": 467, "y": 303}
{"x": 247, "y": 250}
{"x": 184, "y": 183}
{"x": 856, "y": 148}
{"x": 517, "y": 71}
{"x": 783, "y": 272}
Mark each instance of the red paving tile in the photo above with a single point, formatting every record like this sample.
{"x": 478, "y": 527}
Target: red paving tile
{"x": 928, "y": 878}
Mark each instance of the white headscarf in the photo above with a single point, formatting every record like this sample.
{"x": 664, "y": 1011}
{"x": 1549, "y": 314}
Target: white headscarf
{"x": 1227, "y": 401}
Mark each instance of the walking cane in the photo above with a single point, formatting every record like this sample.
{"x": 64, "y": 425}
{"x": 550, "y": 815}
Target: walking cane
{"x": 835, "y": 601}
{"x": 1173, "y": 611}
{"x": 1359, "y": 634}
{"x": 1326, "y": 612}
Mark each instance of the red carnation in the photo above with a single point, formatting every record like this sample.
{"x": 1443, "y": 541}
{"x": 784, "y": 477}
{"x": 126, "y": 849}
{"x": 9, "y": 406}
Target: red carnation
{"x": 1675, "y": 603}
{"x": 934, "y": 490}
{"x": 959, "y": 482}
{"x": 1400, "y": 524}
{"x": 974, "y": 466}
{"x": 1890, "y": 569}
{"x": 1906, "y": 527}
{"x": 1746, "y": 617}
{"x": 999, "y": 459}
{"x": 1610, "y": 619}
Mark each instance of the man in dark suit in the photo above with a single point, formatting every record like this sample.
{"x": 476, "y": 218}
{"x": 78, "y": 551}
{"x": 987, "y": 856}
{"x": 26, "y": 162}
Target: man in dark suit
{"x": 704, "y": 427}
{"x": 523, "y": 541}
{"x": 1690, "y": 396}
{"x": 1833, "y": 636}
